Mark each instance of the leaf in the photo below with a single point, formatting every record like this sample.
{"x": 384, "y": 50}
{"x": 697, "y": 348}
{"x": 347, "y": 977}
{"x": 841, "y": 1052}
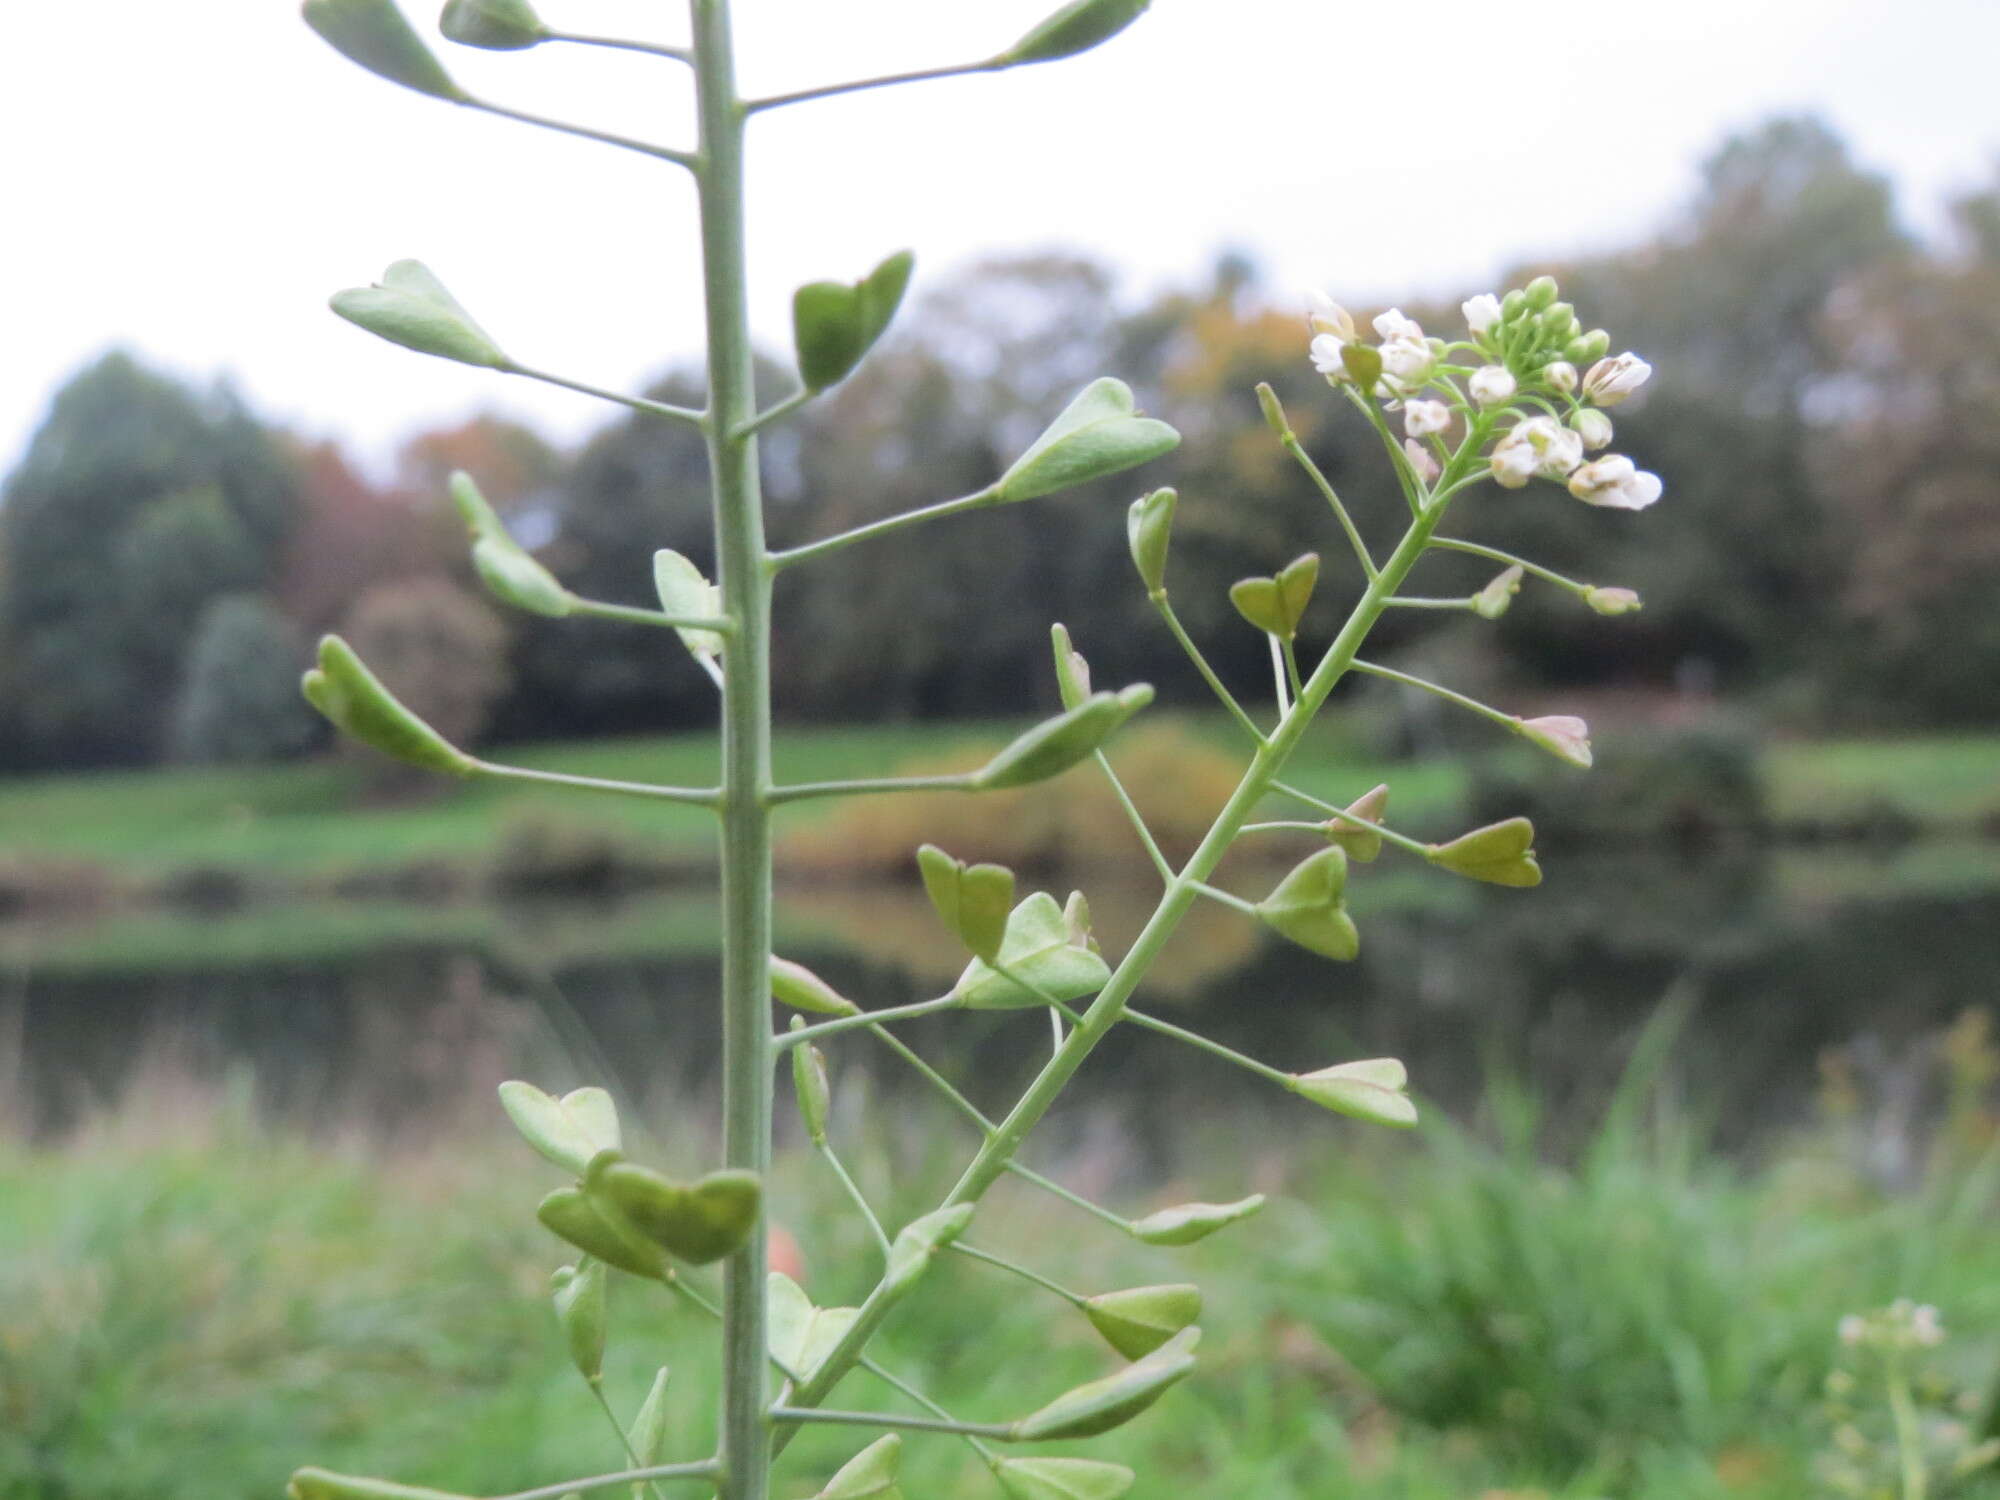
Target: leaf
{"x": 686, "y": 593}
{"x": 835, "y": 325}
{"x": 801, "y": 1335}
{"x": 409, "y": 306}
{"x": 359, "y": 706}
{"x": 569, "y": 1131}
{"x": 1500, "y": 854}
{"x": 1138, "y": 1321}
{"x": 869, "y": 1475}
{"x": 1188, "y": 1222}
{"x": 1041, "y": 950}
{"x": 1276, "y": 605}
{"x": 375, "y": 34}
{"x": 1099, "y": 433}
{"x": 1370, "y": 1090}
{"x": 1054, "y": 745}
{"x": 1062, "y": 1479}
{"x": 1101, "y": 1405}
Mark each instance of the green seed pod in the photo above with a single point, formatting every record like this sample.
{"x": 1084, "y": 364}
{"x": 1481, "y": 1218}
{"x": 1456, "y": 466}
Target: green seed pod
{"x": 1363, "y": 363}
{"x": 1042, "y": 958}
{"x": 1072, "y": 671}
{"x": 797, "y": 986}
{"x": 1491, "y": 602}
{"x": 1137, "y": 1322}
{"x": 810, "y": 1083}
{"x": 1588, "y": 350}
{"x": 1149, "y": 529}
{"x": 834, "y": 325}
{"x": 1371, "y": 1090}
{"x": 1541, "y": 293}
{"x": 696, "y": 1224}
{"x": 869, "y": 1475}
{"x": 1274, "y": 412}
{"x": 686, "y": 593}
{"x": 1276, "y": 605}
{"x": 1054, "y": 745}
{"x": 1361, "y": 843}
{"x": 1188, "y": 1222}
{"x": 353, "y": 698}
{"x": 579, "y": 1299}
{"x": 649, "y": 1428}
{"x": 1062, "y": 1479}
{"x": 801, "y": 1335}
{"x": 409, "y": 306}
{"x": 323, "y": 1484}
{"x": 507, "y": 569}
{"x": 1077, "y": 27}
{"x": 1113, "y": 1401}
{"x": 1499, "y": 854}
{"x": 972, "y": 900}
{"x": 1099, "y": 433}
{"x": 374, "y": 34}
{"x": 1306, "y": 906}
{"x": 569, "y": 1131}
{"x": 910, "y": 1255}
{"x": 571, "y": 1215}
{"x": 498, "y": 25}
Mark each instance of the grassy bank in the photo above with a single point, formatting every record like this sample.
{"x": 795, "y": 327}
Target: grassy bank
{"x": 189, "y": 1308}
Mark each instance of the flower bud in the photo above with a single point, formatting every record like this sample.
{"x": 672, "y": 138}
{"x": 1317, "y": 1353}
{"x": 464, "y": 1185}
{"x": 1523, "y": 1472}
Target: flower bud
{"x": 1561, "y": 375}
{"x": 1371, "y": 1090}
{"x": 1101, "y": 1405}
{"x": 811, "y": 1085}
{"x": 1274, "y": 412}
{"x": 1513, "y": 464}
{"x": 972, "y": 900}
{"x": 797, "y": 986}
{"x": 1188, "y": 1222}
{"x": 1593, "y": 346}
{"x": 1360, "y": 843}
{"x": 1541, "y": 293}
{"x": 1329, "y": 317}
{"x": 359, "y": 706}
{"x": 698, "y": 1224}
{"x": 1077, "y": 27}
{"x": 1137, "y": 1322}
{"x": 1149, "y": 529}
{"x": 1612, "y": 601}
{"x": 1422, "y": 462}
{"x": 1482, "y": 313}
{"x": 568, "y": 1131}
{"x": 1499, "y": 854}
{"x": 1610, "y": 381}
{"x": 579, "y": 1298}
{"x": 1513, "y": 306}
{"x": 1276, "y": 605}
{"x": 374, "y": 34}
{"x": 869, "y": 1475}
{"x": 1423, "y": 418}
{"x": 1558, "y": 320}
{"x": 1306, "y": 907}
{"x": 1492, "y": 385}
{"x": 500, "y": 25}
{"x": 649, "y": 1427}
{"x": 1562, "y": 735}
{"x": 409, "y": 306}
{"x": 1054, "y": 745}
{"x": 1593, "y": 427}
{"x": 1072, "y": 671}
{"x": 1062, "y": 1479}
{"x": 1491, "y": 602}
{"x": 1098, "y": 434}
{"x": 834, "y": 325}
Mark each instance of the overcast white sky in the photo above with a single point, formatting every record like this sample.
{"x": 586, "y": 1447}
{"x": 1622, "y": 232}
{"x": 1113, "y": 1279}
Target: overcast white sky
{"x": 192, "y": 179}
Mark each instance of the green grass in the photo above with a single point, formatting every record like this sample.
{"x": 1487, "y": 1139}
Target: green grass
{"x": 1935, "y": 780}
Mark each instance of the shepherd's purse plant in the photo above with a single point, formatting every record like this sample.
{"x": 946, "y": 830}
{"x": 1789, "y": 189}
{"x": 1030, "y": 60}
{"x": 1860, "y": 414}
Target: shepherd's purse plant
{"x": 1522, "y": 396}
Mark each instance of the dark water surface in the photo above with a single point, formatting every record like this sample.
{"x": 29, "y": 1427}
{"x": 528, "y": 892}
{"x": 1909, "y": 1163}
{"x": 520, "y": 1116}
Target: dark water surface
{"x": 391, "y": 1016}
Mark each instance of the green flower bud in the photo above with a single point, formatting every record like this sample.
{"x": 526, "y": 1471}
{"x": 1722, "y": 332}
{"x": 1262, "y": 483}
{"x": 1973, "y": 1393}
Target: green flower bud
{"x": 1499, "y": 854}
{"x": 1043, "y": 955}
{"x": 1371, "y": 1090}
{"x": 374, "y": 34}
{"x": 569, "y": 1131}
{"x": 1062, "y": 1479}
{"x": 1072, "y": 671}
{"x": 1077, "y": 27}
{"x": 409, "y": 306}
{"x": 972, "y": 900}
{"x": 869, "y": 1475}
{"x": 1076, "y": 921}
{"x": 1138, "y": 1321}
{"x": 797, "y": 986}
{"x": 649, "y": 1428}
{"x": 1363, "y": 844}
{"x": 1541, "y": 293}
{"x": 579, "y": 1299}
{"x": 1559, "y": 318}
{"x": 1491, "y": 602}
{"x": 1101, "y": 1405}
{"x": 697, "y": 1224}
{"x": 910, "y": 1255}
{"x": 809, "y": 1082}
{"x": 1149, "y": 528}
{"x": 353, "y": 698}
{"x": 1363, "y": 363}
{"x": 1099, "y": 433}
{"x": 572, "y": 1215}
{"x": 323, "y": 1484}
{"x": 1612, "y": 601}
{"x": 1587, "y": 350}
{"x": 1276, "y": 605}
{"x": 1274, "y": 412}
{"x": 1513, "y": 305}
{"x": 1306, "y": 907}
{"x": 801, "y": 1335}
{"x": 1054, "y": 745}
{"x": 834, "y": 325}
{"x": 499, "y": 25}
{"x": 686, "y": 593}
{"x": 1188, "y": 1222}
{"x": 508, "y": 570}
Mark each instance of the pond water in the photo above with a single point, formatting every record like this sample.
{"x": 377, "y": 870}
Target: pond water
{"x": 393, "y": 1016}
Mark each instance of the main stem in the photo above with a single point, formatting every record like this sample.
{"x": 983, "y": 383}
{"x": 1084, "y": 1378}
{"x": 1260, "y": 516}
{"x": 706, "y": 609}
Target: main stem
{"x": 746, "y": 744}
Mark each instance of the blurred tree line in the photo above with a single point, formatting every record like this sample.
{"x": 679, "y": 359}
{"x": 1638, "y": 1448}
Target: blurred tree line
{"x": 1826, "y": 412}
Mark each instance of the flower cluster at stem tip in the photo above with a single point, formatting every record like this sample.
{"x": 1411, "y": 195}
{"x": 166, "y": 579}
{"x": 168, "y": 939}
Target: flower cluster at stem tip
{"x": 1518, "y": 372}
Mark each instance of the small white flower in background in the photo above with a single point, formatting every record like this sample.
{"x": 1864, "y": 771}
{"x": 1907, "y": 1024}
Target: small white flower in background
{"x": 1481, "y": 312}
{"x": 1422, "y": 418}
{"x": 1853, "y": 1328}
{"x": 1491, "y": 385}
{"x": 1563, "y": 735}
{"x": 1613, "y": 482}
{"x": 1561, "y": 375}
{"x": 1421, "y": 460}
{"x": 1611, "y": 601}
{"x": 1392, "y": 325}
{"x": 1925, "y": 1327}
{"x": 1328, "y": 316}
{"x": 1513, "y": 464}
{"x": 1326, "y": 349}
{"x": 1593, "y": 427}
{"x": 1611, "y": 380}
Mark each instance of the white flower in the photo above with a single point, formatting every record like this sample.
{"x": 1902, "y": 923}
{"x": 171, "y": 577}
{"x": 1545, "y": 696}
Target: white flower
{"x": 1513, "y": 464}
{"x": 1422, "y": 418}
{"x": 1421, "y": 460}
{"x": 1925, "y": 1327}
{"x": 1611, "y": 380}
{"x": 1481, "y": 312}
{"x": 1611, "y": 601}
{"x": 1492, "y": 385}
{"x": 1328, "y": 316}
{"x": 1560, "y": 374}
{"x": 1562, "y": 735}
{"x": 1612, "y": 481}
{"x": 1392, "y": 325}
{"x": 1593, "y": 427}
{"x": 1562, "y": 452}
{"x": 1326, "y": 349}
{"x": 1407, "y": 362}
{"x": 1853, "y": 1328}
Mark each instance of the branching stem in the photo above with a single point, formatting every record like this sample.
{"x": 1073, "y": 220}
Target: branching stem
{"x": 833, "y": 90}
{"x": 690, "y": 796}
{"x": 1201, "y": 665}
{"x": 685, "y": 159}
{"x": 883, "y": 527}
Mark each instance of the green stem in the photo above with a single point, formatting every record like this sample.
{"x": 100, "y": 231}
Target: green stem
{"x": 624, "y": 1438}
{"x": 632, "y": 614}
{"x": 1201, "y": 665}
{"x": 1909, "y": 1436}
{"x": 1400, "y": 840}
{"x": 1227, "y": 898}
{"x": 1293, "y": 447}
{"x": 706, "y": 1468}
{"x": 776, "y": 413}
{"x": 897, "y": 1383}
{"x": 854, "y": 1193}
{"x": 874, "y": 529}
{"x": 1214, "y": 1049}
{"x": 691, "y": 796}
{"x": 1408, "y": 602}
{"x": 833, "y": 90}
{"x": 1074, "y": 1199}
{"x": 890, "y": 1419}
{"x": 1019, "y": 1270}
{"x": 785, "y": 1041}
{"x": 1137, "y": 818}
{"x": 806, "y": 790}
{"x": 621, "y": 44}
{"x": 744, "y": 573}
{"x": 1292, "y": 668}
{"x": 603, "y": 137}
{"x": 936, "y": 1080}
{"x": 685, "y": 414}
{"x": 1390, "y": 674}
{"x": 1508, "y": 559}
